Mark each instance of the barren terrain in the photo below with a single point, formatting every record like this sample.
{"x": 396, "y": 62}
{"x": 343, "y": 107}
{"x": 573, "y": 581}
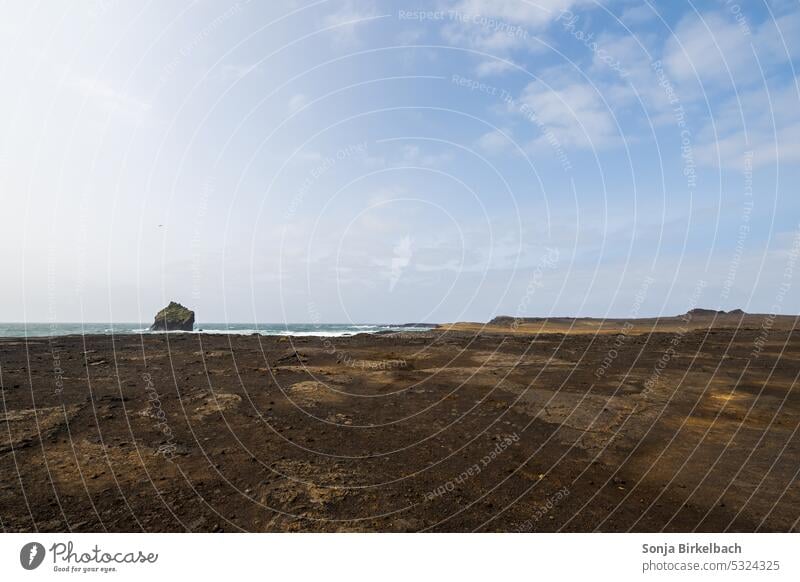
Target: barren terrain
{"x": 570, "y": 425}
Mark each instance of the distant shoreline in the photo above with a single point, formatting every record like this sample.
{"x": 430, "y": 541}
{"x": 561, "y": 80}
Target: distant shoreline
{"x": 692, "y": 320}
{"x": 695, "y": 319}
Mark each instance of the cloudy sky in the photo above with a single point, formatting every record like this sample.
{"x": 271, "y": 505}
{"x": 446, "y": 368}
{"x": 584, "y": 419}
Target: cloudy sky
{"x": 338, "y": 161}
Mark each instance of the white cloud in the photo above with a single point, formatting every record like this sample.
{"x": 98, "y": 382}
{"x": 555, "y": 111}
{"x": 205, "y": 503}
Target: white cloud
{"x": 401, "y": 257}
{"x": 489, "y": 68}
{"x": 715, "y": 68}
{"x": 499, "y": 27}
{"x": 778, "y": 39}
{"x": 715, "y": 49}
{"x": 534, "y": 14}
{"x": 297, "y": 102}
{"x": 347, "y": 18}
{"x": 235, "y": 72}
{"x": 494, "y": 142}
{"x": 481, "y": 38}
{"x": 771, "y": 128}
{"x": 637, "y": 92}
{"x": 638, "y": 14}
{"x": 709, "y": 47}
{"x": 109, "y": 98}
{"x": 414, "y": 156}
{"x": 571, "y": 110}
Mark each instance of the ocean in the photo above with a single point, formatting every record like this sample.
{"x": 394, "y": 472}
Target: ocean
{"x": 293, "y": 329}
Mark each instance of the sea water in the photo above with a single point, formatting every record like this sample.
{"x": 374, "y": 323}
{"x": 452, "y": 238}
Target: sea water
{"x": 293, "y": 329}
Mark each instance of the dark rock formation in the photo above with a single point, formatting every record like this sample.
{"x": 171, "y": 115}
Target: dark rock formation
{"x": 700, "y": 311}
{"x": 503, "y": 320}
{"x": 174, "y": 317}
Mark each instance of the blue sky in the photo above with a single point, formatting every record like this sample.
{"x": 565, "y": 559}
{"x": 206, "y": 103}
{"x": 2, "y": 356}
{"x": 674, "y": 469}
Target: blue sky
{"x": 398, "y": 161}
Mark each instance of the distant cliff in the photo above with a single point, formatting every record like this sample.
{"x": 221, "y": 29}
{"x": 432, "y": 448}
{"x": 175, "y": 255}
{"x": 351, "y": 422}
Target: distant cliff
{"x": 507, "y": 320}
{"x": 701, "y": 311}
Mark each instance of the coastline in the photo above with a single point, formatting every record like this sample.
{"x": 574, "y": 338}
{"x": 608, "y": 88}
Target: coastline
{"x": 61, "y": 329}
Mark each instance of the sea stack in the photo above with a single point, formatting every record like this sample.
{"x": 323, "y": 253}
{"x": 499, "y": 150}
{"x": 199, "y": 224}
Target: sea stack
{"x": 174, "y": 317}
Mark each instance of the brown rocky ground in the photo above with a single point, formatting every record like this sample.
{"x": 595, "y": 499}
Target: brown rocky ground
{"x": 503, "y": 430}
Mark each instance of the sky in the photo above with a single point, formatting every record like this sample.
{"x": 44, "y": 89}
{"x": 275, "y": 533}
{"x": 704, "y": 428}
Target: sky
{"x": 342, "y": 161}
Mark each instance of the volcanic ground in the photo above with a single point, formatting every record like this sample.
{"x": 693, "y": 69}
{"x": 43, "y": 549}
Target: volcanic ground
{"x": 670, "y": 425}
